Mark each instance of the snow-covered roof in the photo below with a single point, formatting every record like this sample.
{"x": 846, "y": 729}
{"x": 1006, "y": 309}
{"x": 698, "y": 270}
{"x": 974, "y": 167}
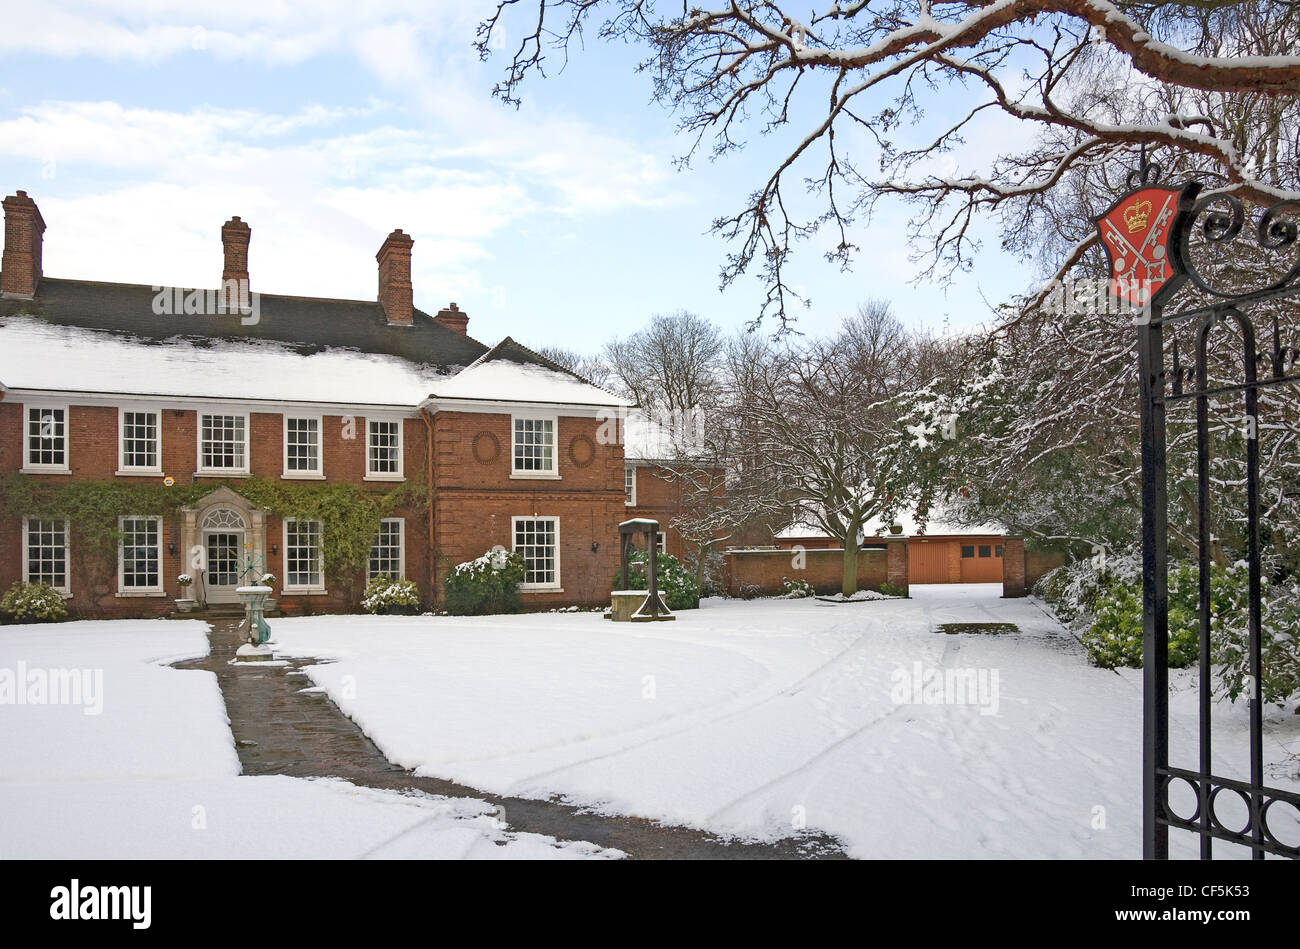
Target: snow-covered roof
{"x": 940, "y": 523}
{"x": 313, "y": 323}
{"x": 35, "y": 354}
{"x": 500, "y": 375}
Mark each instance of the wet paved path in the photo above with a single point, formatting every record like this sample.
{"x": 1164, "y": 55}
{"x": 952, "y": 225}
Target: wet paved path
{"x": 281, "y": 730}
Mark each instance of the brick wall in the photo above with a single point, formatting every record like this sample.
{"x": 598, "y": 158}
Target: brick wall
{"x": 93, "y": 456}
{"x": 1013, "y": 567}
{"x": 1041, "y": 562}
{"x": 1023, "y": 568}
{"x": 475, "y": 500}
{"x": 659, "y": 498}
{"x": 823, "y": 568}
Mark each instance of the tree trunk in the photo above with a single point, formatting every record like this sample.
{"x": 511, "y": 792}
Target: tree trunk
{"x": 849, "y": 586}
{"x": 701, "y": 552}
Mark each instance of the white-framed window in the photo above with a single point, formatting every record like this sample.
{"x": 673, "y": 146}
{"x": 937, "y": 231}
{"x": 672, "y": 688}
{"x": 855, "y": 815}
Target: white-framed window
{"x": 139, "y": 446}
{"x": 302, "y": 448}
{"x": 303, "y": 557}
{"x": 139, "y": 555}
{"x": 629, "y": 485}
{"x": 387, "y": 553}
{"x": 45, "y": 438}
{"x": 223, "y": 443}
{"x": 537, "y": 539}
{"x": 532, "y": 447}
{"x": 384, "y": 449}
{"x": 45, "y": 552}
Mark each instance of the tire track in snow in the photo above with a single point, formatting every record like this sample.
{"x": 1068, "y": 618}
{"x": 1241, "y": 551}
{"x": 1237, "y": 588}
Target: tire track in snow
{"x": 786, "y": 691}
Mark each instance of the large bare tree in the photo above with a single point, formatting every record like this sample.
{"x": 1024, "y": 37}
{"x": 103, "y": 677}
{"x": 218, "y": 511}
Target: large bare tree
{"x": 825, "y": 421}
{"x": 848, "y": 80}
{"x": 669, "y": 366}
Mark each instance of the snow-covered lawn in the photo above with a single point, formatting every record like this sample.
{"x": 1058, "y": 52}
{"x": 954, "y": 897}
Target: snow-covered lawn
{"x": 756, "y": 718}
{"x": 152, "y": 772}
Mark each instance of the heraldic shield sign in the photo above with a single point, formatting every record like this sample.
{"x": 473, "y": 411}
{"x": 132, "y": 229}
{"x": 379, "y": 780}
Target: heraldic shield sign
{"x": 1136, "y": 232}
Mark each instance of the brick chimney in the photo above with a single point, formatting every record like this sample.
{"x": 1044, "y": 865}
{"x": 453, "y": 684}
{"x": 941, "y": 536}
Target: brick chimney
{"x": 395, "y": 294}
{"x": 20, "y": 270}
{"x": 234, "y": 274}
{"x": 452, "y": 318}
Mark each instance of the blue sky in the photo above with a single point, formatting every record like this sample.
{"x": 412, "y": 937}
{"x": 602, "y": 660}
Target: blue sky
{"x": 140, "y": 127}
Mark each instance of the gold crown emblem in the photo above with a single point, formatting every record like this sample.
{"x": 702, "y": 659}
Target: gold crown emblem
{"x": 1135, "y": 216}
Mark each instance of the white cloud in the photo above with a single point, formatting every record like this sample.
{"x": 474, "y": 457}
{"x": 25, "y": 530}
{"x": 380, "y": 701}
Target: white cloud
{"x": 271, "y": 32}
{"x": 138, "y": 195}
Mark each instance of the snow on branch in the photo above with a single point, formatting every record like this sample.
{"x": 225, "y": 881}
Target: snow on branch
{"x": 1090, "y": 81}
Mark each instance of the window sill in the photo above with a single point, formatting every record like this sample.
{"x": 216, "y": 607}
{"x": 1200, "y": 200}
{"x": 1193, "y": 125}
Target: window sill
{"x": 133, "y": 594}
{"x": 534, "y": 476}
{"x": 302, "y": 476}
{"x": 221, "y": 474}
{"x": 138, "y": 472}
{"x": 540, "y": 589}
{"x": 384, "y": 477}
{"x": 290, "y": 591}
{"x": 63, "y": 471}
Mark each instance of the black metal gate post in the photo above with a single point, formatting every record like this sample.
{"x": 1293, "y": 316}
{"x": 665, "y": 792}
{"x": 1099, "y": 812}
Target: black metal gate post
{"x": 1147, "y": 238}
{"x": 1155, "y": 588}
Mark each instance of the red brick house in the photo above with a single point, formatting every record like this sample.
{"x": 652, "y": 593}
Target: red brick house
{"x": 199, "y": 428}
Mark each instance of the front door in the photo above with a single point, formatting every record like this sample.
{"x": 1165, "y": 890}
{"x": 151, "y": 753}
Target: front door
{"x": 222, "y": 577}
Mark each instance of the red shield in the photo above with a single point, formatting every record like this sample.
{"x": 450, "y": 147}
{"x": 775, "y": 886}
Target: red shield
{"x": 1135, "y": 233}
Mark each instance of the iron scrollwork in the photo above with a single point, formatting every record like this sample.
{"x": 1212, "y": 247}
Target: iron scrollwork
{"x": 1220, "y": 219}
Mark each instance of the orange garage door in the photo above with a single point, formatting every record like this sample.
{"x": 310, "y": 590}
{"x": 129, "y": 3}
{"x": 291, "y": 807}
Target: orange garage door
{"x": 928, "y": 563}
{"x": 981, "y": 560}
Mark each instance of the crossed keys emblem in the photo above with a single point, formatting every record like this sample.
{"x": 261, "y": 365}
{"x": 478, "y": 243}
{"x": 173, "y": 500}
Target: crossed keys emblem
{"x": 1135, "y": 233}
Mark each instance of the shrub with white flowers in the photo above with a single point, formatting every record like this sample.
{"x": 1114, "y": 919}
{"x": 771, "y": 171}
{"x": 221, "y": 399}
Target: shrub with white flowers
{"x": 795, "y": 589}
{"x": 33, "y": 603}
{"x": 487, "y": 584}
{"x": 387, "y": 596}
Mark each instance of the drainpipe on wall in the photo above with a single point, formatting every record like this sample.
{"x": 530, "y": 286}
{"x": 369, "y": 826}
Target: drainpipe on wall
{"x": 428, "y": 468}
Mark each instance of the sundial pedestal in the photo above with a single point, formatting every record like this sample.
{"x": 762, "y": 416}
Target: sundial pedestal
{"x": 258, "y": 632}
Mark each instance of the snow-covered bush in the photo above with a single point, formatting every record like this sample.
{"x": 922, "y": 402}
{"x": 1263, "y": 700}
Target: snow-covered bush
{"x": 1279, "y": 636}
{"x": 795, "y": 589}
{"x": 33, "y": 603}
{"x": 676, "y": 584}
{"x": 1115, "y": 636}
{"x": 1073, "y": 590}
{"x": 386, "y": 596}
{"x": 487, "y": 584}
{"x": 1106, "y": 606}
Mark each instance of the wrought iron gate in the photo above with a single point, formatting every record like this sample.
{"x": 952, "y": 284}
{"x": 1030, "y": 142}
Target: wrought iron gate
{"x": 1148, "y": 235}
